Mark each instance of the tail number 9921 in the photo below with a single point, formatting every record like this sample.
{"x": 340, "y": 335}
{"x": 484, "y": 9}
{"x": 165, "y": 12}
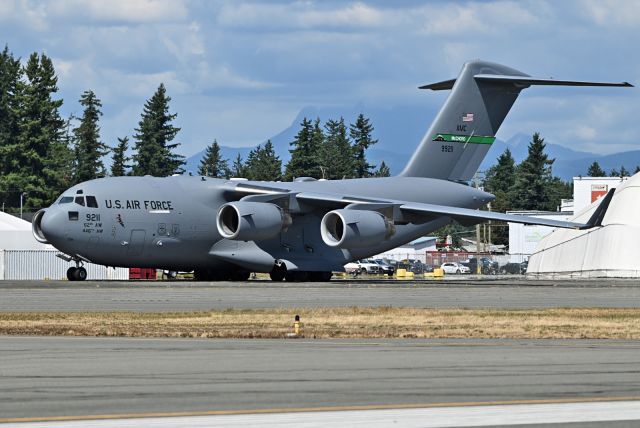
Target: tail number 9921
{"x": 447, "y": 149}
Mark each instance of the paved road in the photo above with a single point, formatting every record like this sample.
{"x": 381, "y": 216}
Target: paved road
{"x": 185, "y": 296}
{"x": 65, "y": 376}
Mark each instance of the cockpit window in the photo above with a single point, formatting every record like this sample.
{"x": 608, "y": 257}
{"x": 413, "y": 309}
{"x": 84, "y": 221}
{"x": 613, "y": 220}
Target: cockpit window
{"x": 80, "y": 200}
{"x": 92, "y": 202}
{"x": 66, "y": 200}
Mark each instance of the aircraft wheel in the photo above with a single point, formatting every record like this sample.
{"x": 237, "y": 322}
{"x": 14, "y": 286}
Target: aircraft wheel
{"x": 201, "y": 275}
{"x": 241, "y": 275}
{"x": 320, "y": 276}
{"x": 458, "y": 272}
{"x": 298, "y": 276}
{"x": 71, "y": 273}
{"x": 81, "y": 274}
{"x": 277, "y": 275}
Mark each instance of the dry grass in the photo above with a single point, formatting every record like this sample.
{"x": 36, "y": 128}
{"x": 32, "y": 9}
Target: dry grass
{"x": 356, "y": 322}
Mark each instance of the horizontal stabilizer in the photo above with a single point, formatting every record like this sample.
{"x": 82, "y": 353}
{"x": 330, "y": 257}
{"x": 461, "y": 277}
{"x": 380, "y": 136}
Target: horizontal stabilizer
{"x": 440, "y": 86}
{"x": 522, "y": 81}
{"x": 528, "y": 81}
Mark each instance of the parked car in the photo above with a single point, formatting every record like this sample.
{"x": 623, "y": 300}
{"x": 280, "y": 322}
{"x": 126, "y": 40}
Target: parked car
{"x": 363, "y": 266}
{"x": 454, "y": 267}
{"x": 411, "y": 265}
{"x": 387, "y": 269}
{"x": 514, "y": 268}
{"x": 487, "y": 266}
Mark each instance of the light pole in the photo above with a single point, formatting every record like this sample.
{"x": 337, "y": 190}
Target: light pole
{"x": 21, "y": 195}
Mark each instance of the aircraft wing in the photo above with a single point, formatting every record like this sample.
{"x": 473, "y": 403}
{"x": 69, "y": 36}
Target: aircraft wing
{"x": 331, "y": 200}
{"x": 456, "y": 213}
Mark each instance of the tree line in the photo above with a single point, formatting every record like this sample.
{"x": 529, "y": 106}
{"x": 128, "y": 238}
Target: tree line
{"x": 42, "y": 153}
{"x": 322, "y": 152}
{"x": 595, "y": 170}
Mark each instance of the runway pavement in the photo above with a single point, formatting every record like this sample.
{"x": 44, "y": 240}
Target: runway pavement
{"x": 187, "y": 296}
{"x": 41, "y": 377}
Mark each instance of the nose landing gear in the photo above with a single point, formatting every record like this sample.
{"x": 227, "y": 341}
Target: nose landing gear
{"x": 76, "y": 273}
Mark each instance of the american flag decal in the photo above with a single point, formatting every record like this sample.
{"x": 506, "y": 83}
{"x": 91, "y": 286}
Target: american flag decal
{"x": 467, "y": 117}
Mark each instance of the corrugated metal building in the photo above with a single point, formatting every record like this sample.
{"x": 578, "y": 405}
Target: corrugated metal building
{"x": 44, "y": 265}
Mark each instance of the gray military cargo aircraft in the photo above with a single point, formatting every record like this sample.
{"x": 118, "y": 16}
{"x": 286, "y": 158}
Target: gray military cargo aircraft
{"x": 305, "y": 229}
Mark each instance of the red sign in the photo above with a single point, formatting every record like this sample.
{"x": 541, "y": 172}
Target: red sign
{"x": 598, "y": 191}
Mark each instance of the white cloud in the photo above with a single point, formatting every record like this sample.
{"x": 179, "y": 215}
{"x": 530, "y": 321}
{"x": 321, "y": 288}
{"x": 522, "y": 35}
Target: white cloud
{"x": 120, "y": 11}
{"x": 300, "y": 15}
{"x": 608, "y": 13}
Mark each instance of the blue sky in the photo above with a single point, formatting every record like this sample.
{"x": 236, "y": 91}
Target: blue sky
{"x": 240, "y": 71}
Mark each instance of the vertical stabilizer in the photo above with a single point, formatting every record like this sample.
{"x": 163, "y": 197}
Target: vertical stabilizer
{"x": 465, "y": 128}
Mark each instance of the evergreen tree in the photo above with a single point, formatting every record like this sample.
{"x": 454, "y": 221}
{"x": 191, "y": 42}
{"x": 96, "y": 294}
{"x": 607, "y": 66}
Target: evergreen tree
{"x": 637, "y": 169}
{"x": 305, "y": 158}
{"x": 263, "y": 164}
{"x": 119, "y": 160}
{"x": 500, "y": 179}
{"x": 11, "y": 88}
{"x": 614, "y": 173}
{"x": 61, "y": 162}
{"x": 382, "y": 171}
{"x": 10, "y": 96}
{"x": 595, "y": 170}
{"x": 360, "y": 133}
{"x": 336, "y": 156}
{"x": 89, "y": 149}
{"x": 40, "y": 137}
{"x": 623, "y": 172}
{"x": 557, "y": 190}
{"x": 212, "y": 164}
{"x": 154, "y": 150}
{"x": 238, "y": 169}
{"x": 532, "y": 179}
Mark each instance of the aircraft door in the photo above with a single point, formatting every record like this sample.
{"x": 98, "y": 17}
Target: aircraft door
{"x": 136, "y": 243}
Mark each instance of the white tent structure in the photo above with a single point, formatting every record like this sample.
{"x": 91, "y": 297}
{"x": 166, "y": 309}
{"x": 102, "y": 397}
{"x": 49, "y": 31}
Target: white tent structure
{"x": 612, "y": 250}
{"x": 15, "y": 234}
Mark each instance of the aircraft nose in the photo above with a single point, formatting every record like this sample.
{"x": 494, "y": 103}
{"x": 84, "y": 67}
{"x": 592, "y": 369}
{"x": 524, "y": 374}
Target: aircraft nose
{"x": 44, "y": 225}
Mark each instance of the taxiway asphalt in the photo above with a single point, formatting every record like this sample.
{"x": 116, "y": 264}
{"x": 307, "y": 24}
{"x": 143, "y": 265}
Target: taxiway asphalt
{"x": 42, "y": 377}
{"x": 193, "y": 296}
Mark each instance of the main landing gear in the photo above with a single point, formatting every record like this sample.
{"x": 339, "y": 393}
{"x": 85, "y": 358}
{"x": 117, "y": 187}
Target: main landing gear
{"x": 221, "y": 275}
{"x": 279, "y": 273}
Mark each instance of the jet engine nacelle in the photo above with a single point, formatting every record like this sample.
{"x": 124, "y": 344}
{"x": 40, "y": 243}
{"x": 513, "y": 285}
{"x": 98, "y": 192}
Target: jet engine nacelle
{"x": 354, "y": 228}
{"x": 250, "y": 221}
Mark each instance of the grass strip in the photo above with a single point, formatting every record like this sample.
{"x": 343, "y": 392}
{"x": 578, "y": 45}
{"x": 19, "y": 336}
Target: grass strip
{"x": 349, "y": 322}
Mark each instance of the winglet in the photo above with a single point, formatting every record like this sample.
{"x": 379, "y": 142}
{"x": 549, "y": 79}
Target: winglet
{"x": 598, "y": 214}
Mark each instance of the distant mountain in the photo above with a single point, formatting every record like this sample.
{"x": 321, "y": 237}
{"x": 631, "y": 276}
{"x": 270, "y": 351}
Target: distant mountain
{"x": 400, "y": 129}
